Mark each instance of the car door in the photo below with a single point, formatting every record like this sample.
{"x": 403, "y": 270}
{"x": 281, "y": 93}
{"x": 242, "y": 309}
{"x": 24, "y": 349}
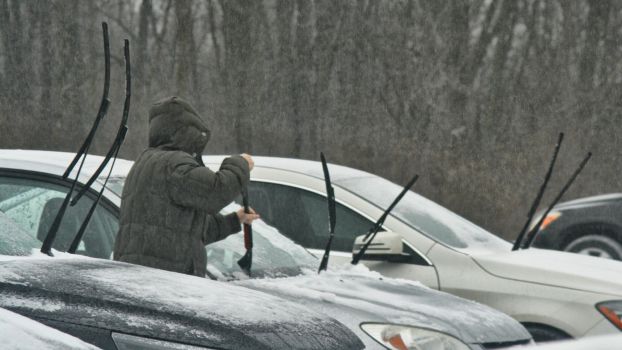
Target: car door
{"x": 32, "y": 201}
{"x": 301, "y": 214}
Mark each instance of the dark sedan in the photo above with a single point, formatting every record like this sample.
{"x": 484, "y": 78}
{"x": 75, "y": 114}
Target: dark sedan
{"x": 121, "y": 306}
{"x": 590, "y": 226}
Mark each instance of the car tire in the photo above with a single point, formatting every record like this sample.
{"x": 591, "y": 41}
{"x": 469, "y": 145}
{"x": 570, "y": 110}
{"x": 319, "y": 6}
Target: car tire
{"x": 596, "y": 245}
{"x": 543, "y": 334}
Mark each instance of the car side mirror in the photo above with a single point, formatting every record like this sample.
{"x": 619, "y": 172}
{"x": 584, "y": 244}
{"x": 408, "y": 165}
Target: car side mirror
{"x": 387, "y": 246}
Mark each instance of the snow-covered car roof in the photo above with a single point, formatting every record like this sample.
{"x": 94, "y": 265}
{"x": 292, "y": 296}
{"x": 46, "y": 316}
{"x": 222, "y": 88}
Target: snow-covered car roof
{"x": 19, "y": 332}
{"x": 303, "y": 166}
{"x": 56, "y": 162}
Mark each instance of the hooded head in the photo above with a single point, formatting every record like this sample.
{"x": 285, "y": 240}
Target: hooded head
{"x": 174, "y": 124}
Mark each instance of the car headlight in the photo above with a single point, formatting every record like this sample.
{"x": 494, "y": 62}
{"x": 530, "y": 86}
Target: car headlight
{"x": 612, "y": 310}
{"x": 132, "y": 342}
{"x": 396, "y": 337}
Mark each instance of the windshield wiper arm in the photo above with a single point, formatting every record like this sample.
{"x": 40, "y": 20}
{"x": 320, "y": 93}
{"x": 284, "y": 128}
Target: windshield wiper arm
{"x": 534, "y": 230}
{"x": 369, "y": 237}
{"x": 536, "y": 202}
{"x": 332, "y": 214}
{"x": 46, "y": 247}
{"x": 113, "y": 152}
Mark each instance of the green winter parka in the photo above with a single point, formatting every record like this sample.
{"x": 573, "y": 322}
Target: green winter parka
{"x": 170, "y": 201}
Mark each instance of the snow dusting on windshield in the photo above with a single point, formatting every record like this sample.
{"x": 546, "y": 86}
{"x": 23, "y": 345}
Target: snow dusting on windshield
{"x": 428, "y": 217}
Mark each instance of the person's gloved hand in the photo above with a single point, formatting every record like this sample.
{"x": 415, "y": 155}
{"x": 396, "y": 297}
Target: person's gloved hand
{"x": 247, "y": 218}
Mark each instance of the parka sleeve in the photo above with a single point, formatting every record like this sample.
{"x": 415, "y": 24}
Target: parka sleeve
{"x": 195, "y": 186}
{"x": 220, "y": 226}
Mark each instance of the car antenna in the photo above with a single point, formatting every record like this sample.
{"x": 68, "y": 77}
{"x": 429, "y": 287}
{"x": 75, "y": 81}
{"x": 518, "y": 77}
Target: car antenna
{"x": 114, "y": 150}
{"x": 46, "y": 247}
{"x": 534, "y": 230}
{"x": 332, "y": 214}
{"x": 378, "y": 225}
{"x": 536, "y": 202}
{"x": 247, "y": 260}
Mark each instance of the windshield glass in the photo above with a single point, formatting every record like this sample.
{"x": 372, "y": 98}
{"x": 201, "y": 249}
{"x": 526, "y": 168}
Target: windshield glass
{"x": 429, "y": 218}
{"x": 115, "y": 184}
{"x": 274, "y": 255}
{"x": 14, "y": 240}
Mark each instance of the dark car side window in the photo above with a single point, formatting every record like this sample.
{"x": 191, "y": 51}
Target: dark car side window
{"x": 32, "y": 204}
{"x": 302, "y": 216}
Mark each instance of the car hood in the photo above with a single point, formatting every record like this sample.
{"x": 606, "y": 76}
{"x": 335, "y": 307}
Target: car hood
{"x": 590, "y": 201}
{"x": 165, "y": 305}
{"x": 354, "y": 295}
{"x": 560, "y": 269}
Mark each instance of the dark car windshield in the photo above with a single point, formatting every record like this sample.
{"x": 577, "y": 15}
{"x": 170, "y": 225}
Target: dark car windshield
{"x": 14, "y": 240}
{"x": 429, "y": 218}
{"x": 274, "y": 255}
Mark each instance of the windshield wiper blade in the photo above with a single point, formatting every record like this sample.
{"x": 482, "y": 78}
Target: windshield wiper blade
{"x": 46, "y": 247}
{"x": 536, "y": 202}
{"x": 114, "y": 151}
{"x": 369, "y": 237}
{"x": 121, "y": 132}
{"x": 103, "y": 107}
{"x": 534, "y": 230}
{"x": 332, "y": 214}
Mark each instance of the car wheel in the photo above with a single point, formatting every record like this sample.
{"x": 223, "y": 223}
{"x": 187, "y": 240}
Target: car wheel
{"x": 596, "y": 245}
{"x": 542, "y": 334}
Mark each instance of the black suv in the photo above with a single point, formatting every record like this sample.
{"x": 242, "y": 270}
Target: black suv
{"x": 591, "y": 226}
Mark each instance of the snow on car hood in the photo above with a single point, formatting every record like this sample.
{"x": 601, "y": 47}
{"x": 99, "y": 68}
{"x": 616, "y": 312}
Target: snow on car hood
{"x": 560, "y": 269}
{"x": 166, "y": 305}
{"x": 353, "y": 295}
{"x": 19, "y": 332}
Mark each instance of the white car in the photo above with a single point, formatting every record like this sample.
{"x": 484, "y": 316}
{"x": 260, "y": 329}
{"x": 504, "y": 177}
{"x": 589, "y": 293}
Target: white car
{"x": 555, "y": 295}
{"x": 378, "y": 310}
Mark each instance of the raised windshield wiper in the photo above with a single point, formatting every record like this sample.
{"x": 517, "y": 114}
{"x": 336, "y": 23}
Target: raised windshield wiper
{"x": 112, "y": 153}
{"x": 103, "y": 107}
{"x": 536, "y": 202}
{"x": 46, "y": 247}
{"x": 369, "y": 237}
{"x": 534, "y": 230}
{"x": 121, "y": 132}
{"x": 332, "y": 214}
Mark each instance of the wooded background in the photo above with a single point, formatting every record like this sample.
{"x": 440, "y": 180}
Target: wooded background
{"x": 470, "y": 94}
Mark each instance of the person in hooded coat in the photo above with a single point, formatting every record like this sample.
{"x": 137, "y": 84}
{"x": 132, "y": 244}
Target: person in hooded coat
{"x": 170, "y": 200}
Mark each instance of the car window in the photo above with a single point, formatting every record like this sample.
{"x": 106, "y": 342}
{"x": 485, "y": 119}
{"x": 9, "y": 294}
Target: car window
{"x": 33, "y": 204}
{"x": 302, "y": 216}
{"x": 15, "y": 241}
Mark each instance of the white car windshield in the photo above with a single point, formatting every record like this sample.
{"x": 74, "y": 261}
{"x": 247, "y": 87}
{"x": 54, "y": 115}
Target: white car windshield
{"x": 429, "y": 218}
